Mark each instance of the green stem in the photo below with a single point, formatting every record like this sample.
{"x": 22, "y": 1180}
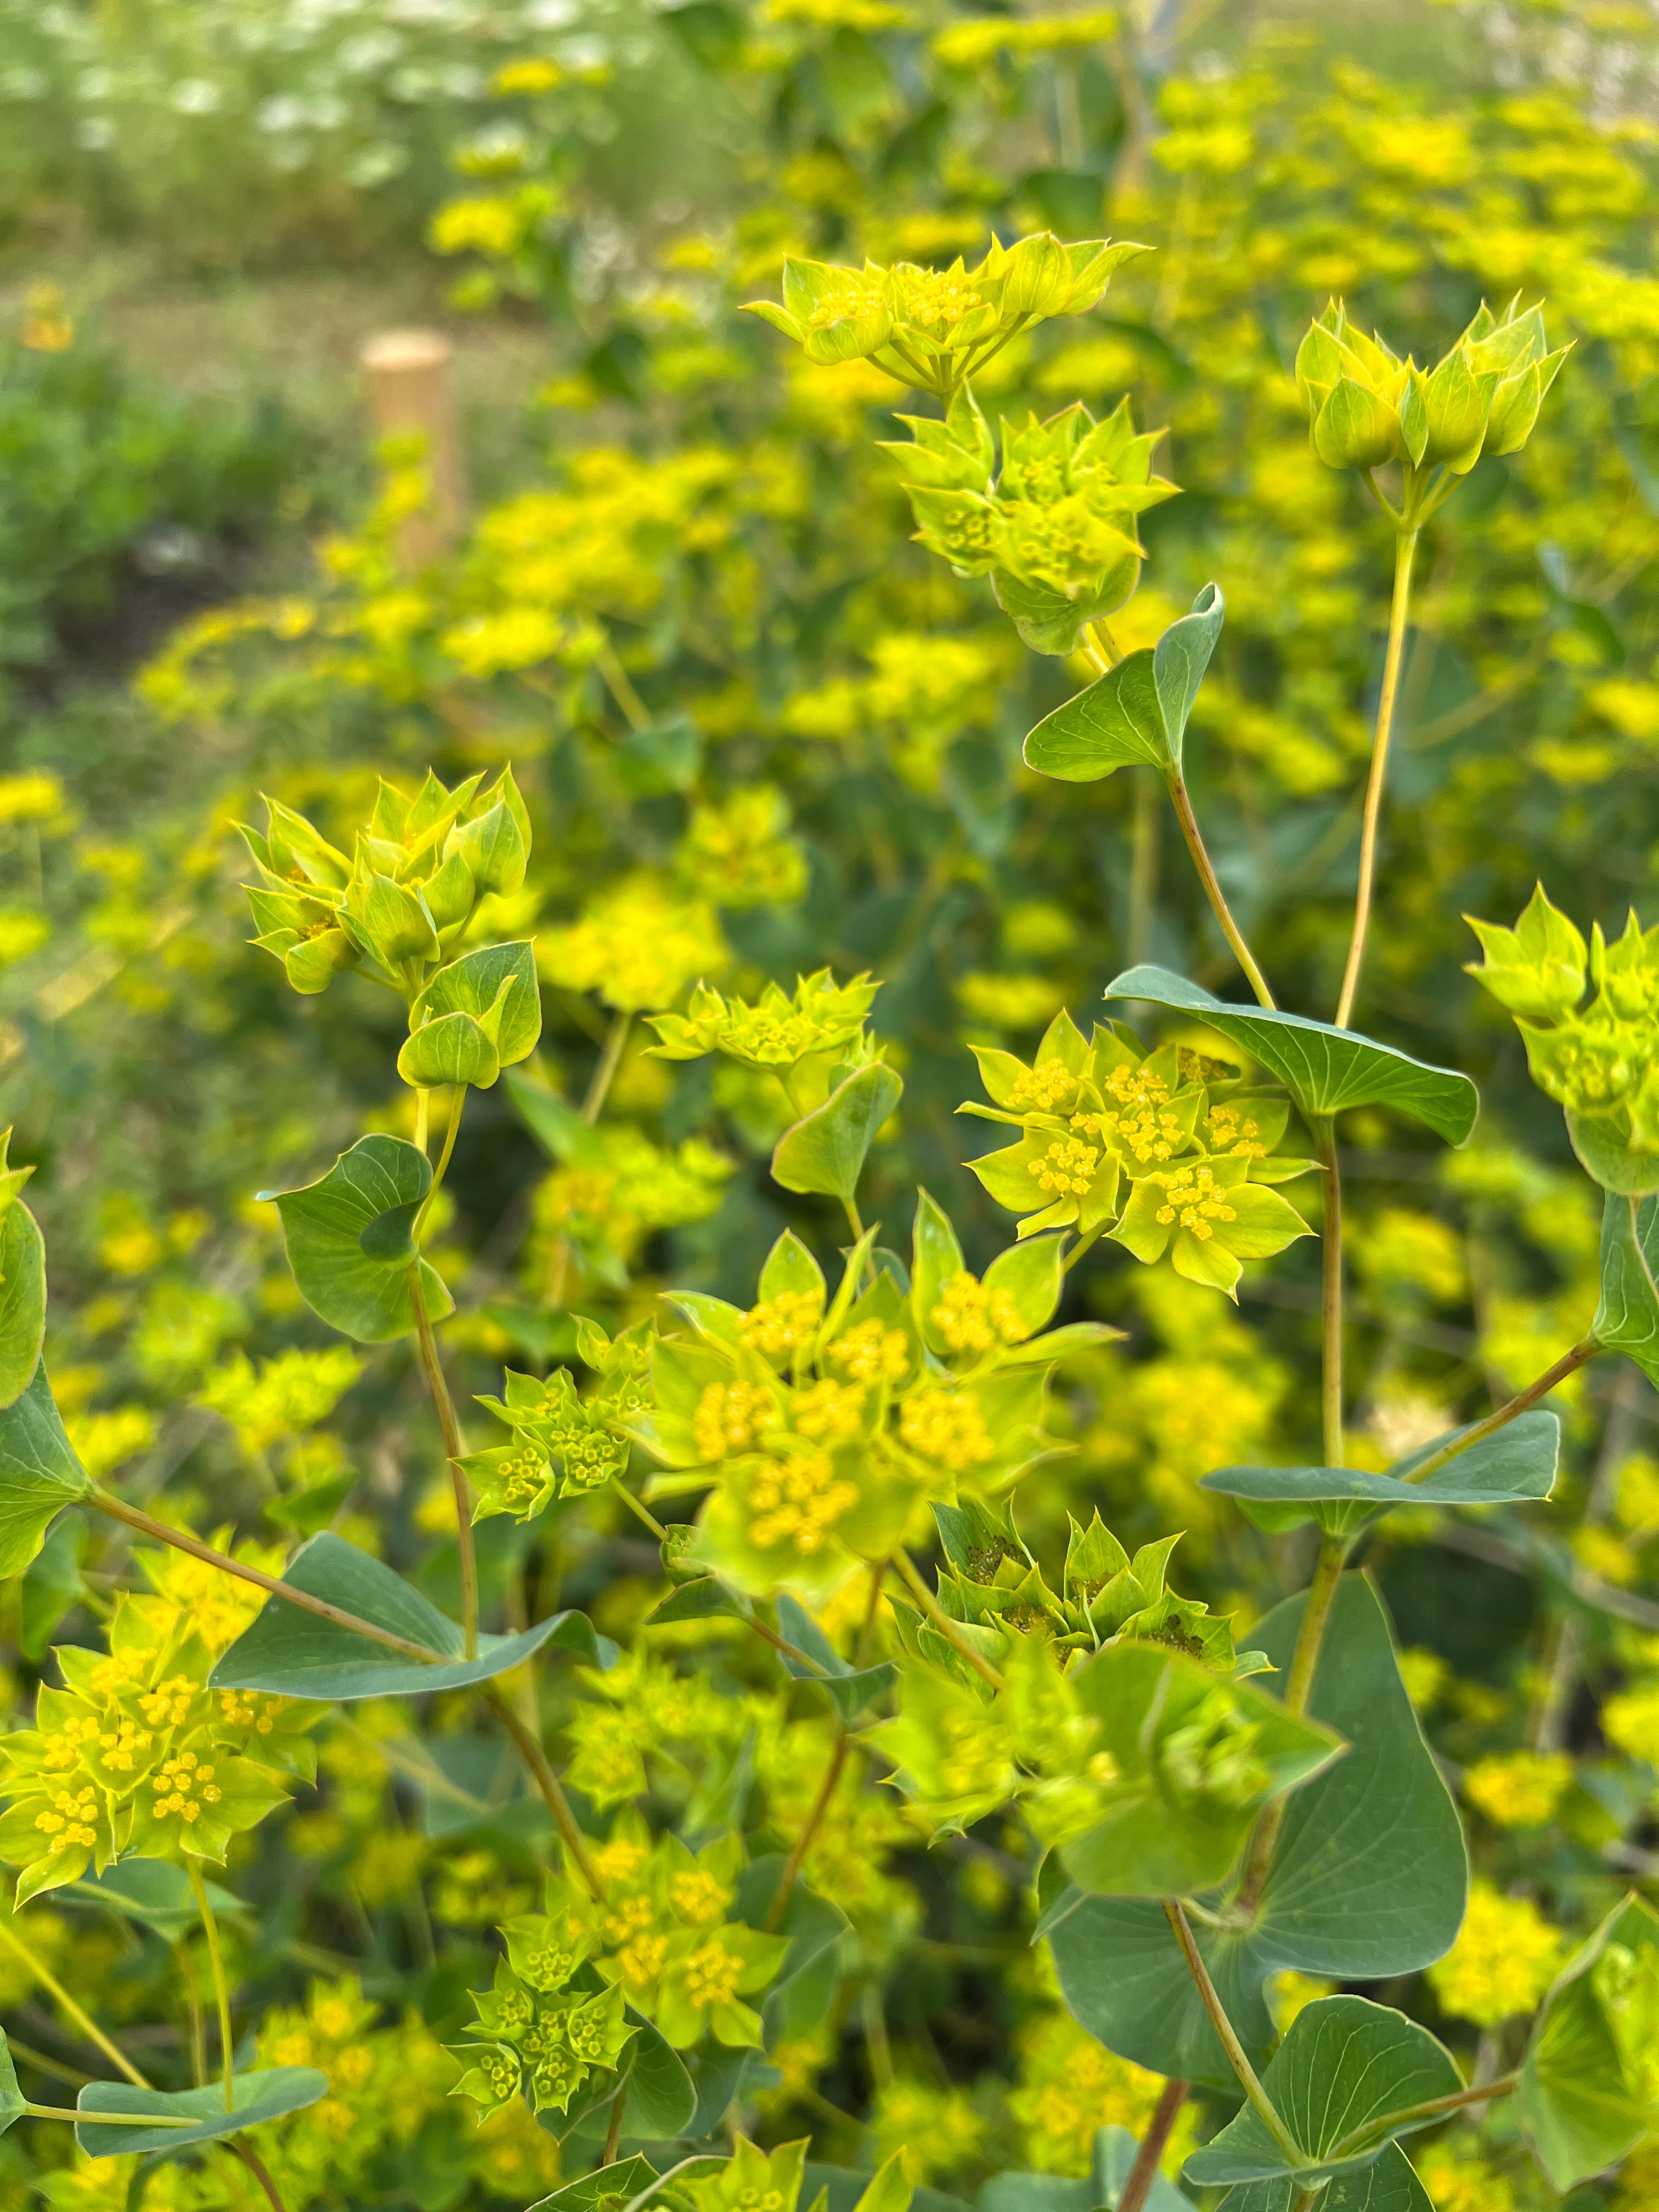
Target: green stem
{"x": 804, "y": 1842}
{"x": 221, "y": 1987}
{"x": 941, "y": 1619}
{"x": 423, "y": 1118}
{"x": 131, "y": 1517}
{"x": 1405, "y": 552}
{"x": 1248, "y": 2079}
{"x": 610, "y": 1059}
{"x": 634, "y": 1506}
{"x": 108, "y": 2119}
{"x": 193, "y": 2008}
{"x": 1084, "y": 1244}
{"x": 1330, "y": 1297}
{"x": 1315, "y": 1617}
{"x": 622, "y": 690}
{"x": 454, "y": 1451}
{"x": 1144, "y": 857}
{"x": 455, "y": 1108}
{"x": 1568, "y": 1364}
{"x": 1413, "y": 2115}
{"x": 553, "y": 1795}
{"x": 1179, "y": 799}
{"x": 613, "y": 2133}
{"x": 88, "y": 2027}
{"x": 854, "y": 1219}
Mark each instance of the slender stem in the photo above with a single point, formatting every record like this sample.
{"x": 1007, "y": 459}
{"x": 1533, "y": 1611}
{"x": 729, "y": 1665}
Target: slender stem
{"x": 613, "y": 2133}
{"x": 1144, "y": 856}
{"x": 634, "y": 1506}
{"x": 458, "y": 1101}
{"x": 1431, "y": 2109}
{"x": 1330, "y": 1298}
{"x": 1404, "y": 551}
{"x": 193, "y": 2004}
{"x": 132, "y": 1517}
{"x": 1322, "y": 1594}
{"x": 1206, "y": 876}
{"x": 256, "y": 2166}
{"x": 53, "y": 2069}
{"x": 454, "y": 1451}
{"x": 854, "y": 1222}
{"x": 1249, "y": 2081}
{"x": 622, "y": 689}
{"x": 1568, "y": 1364}
{"x": 547, "y": 1782}
{"x": 221, "y": 1987}
{"x": 804, "y": 1841}
{"x": 941, "y": 1619}
{"x": 610, "y": 1059}
{"x": 782, "y": 1644}
{"x": 108, "y": 2119}
{"x": 1144, "y": 2171}
{"x": 422, "y": 1117}
{"x": 1085, "y": 1244}
{"x": 87, "y": 2027}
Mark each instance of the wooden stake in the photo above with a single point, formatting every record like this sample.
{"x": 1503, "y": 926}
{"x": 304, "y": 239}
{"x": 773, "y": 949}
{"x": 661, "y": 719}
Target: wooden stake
{"x": 410, "y": 392}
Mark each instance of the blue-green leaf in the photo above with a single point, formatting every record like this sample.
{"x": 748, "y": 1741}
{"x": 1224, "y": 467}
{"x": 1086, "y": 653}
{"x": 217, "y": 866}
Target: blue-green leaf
{"x": 1586, "y": 2090}
{"x": 287, "y": 1652}
{"x": 1512, "y": 1465}
{"x": 257, "y": 2097}
{"x": 1346, "y": 2066}
{"x": 1325, "y": 1070}
{"x": 1388, "y": 2185}
{"x": 351, "y": 1245}
{"x": 1627, "y": 1318}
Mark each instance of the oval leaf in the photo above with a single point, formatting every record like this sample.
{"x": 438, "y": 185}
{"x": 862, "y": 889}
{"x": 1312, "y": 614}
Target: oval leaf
{"x": 39, "y": 1473}
{"x": 348, "y": 1240}
{"x": 825, "y": 1151}
{"x": 1585, "y": 2096}
{"x": 1325, "y": 1070}
{"x": 287, "y": 1652}
{"x": 661, "y": 2100}
{"x": 498, "y": 987}
{"x": 1514, "y": 1464}
{"x": 264, "y": 2095}
{"x": 1388, "y": 2185}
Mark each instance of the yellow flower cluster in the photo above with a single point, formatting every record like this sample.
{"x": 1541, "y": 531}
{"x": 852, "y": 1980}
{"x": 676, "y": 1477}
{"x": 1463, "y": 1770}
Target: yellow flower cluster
{"x": 1194, "y": 1198}
{"x": 797, "y": 1501}
{"x": 946, "y": 1426}
{"x": 970, "y": 1318}
{"x": 870, "y": 1351}
{"x": 1521, "y": 1790}
{"x": 784, "y": 1324}
{"x": 732, "y": 1417}
{"x": 1503, "y": 1959}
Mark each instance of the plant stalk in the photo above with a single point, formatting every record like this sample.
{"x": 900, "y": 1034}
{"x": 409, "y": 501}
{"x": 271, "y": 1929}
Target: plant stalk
{"x": 1568, "y": 1364}
{"x": 1144, "y": 2171}
{"x": 221, "y": 1987}
{"x": 608, "y": 1060}
{"x": 1330, "y": 1295}
{"x": 1248, "y": 2078}
{"x": 143, "y": 1522}
{"x": 256, "y": 2166}
{"x": 454, "y": 1451}
{"x": 1183, "y": 804}
{"x": 1298, "y": 1687}
{"x": 547, "y": 1782}
{"x": 457, "y": 1104}
{"x": 791, "y": 1873}
{"x": 941, "y": 1619}
{"x": 108, "y": 2119}
{"x": 54, "y": 1988}
{"x": 1405, "y": 552}
{"x": 1502, "y": 2086}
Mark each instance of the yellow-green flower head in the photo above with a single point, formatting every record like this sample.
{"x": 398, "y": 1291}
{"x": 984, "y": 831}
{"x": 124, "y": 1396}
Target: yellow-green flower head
{"x": 1599, "y": 1061}
{"x": 1366, "y": 407}
{"x": 779, "y": 1030}
{"x": 932, "y": 328}
{"x": 1056, "y": 530}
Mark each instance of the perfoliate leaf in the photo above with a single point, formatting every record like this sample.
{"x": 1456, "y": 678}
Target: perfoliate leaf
{"x": 1345, "y": 2066}
{"x": 12, "y": 2102}
{"x": 288, "y": 1652}
{"x": 349, "y": 1240}
{"x": 155, "y": 1893}
{"x": 1368, "y": 1878}
{"x": 825, "y": 1150}
{"x": 52, "y": 1584}
{"x": 1588, "y": 2090}
{"x": 1325, "y": 1070}
{"x": 498, "y": 987}
{"x": 264, "y": 2095}
{"x": 1387, "y": 2185}
{"x": 39, "y": 1473}
{"x": 1138, "y": 711}
{"x": 1627, "y": 1318}
{"x": 661, "y": 2097}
